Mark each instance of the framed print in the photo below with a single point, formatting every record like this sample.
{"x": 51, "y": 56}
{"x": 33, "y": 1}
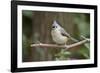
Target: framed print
{"x": 52, "y": 36}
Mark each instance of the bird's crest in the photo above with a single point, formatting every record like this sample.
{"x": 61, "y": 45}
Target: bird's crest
{"x": 55, "y": 23}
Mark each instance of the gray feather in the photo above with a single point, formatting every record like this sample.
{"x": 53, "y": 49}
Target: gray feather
{"x": 63, "y": 32}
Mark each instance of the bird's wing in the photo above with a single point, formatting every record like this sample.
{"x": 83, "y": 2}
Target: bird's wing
{"x": 63, "y": 32}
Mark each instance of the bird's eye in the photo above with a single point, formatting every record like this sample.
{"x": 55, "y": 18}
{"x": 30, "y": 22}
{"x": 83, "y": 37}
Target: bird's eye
{"x": 53, "y": 26}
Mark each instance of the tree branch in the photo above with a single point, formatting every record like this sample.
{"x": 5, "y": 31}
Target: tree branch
{"x": 60, "y": 46}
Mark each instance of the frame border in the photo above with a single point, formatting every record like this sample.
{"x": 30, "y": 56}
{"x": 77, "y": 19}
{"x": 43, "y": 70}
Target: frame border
{"x": 14, "y": 5}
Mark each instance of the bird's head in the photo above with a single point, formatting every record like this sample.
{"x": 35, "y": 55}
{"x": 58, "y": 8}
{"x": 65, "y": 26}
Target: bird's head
{"x": 55, "y": 25}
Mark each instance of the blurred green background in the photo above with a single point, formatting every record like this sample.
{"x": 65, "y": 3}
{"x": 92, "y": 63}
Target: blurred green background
{"x": 36, "y": 28}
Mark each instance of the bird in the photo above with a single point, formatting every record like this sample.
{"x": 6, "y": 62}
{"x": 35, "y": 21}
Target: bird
{"x": 59, "y": 35}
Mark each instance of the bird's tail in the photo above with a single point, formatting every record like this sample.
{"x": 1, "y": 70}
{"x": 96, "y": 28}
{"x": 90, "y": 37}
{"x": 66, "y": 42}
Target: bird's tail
{"x": 73, "y": 39}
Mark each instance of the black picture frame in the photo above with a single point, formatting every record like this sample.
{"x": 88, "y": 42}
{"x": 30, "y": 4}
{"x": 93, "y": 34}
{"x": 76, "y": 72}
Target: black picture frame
{"x": 14, "y": 5}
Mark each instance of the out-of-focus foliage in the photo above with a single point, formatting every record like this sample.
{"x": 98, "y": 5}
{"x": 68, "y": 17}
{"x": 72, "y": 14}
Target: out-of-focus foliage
{"x": 37, "y": 29}
{"x": 63, "y": 55}
{"x": 83, "y": 23}
{"x": 26, "y": 34}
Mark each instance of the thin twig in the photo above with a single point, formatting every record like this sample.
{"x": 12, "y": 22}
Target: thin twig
{"x": 60, "y": 46}
{"x": 85, "y": 38}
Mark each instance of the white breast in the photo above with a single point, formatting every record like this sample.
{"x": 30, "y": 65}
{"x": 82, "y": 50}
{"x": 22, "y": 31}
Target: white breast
{"x": 58, "y": 37}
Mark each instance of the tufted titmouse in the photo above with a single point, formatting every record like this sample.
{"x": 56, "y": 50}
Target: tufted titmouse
{"x": 59, "y": 35}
